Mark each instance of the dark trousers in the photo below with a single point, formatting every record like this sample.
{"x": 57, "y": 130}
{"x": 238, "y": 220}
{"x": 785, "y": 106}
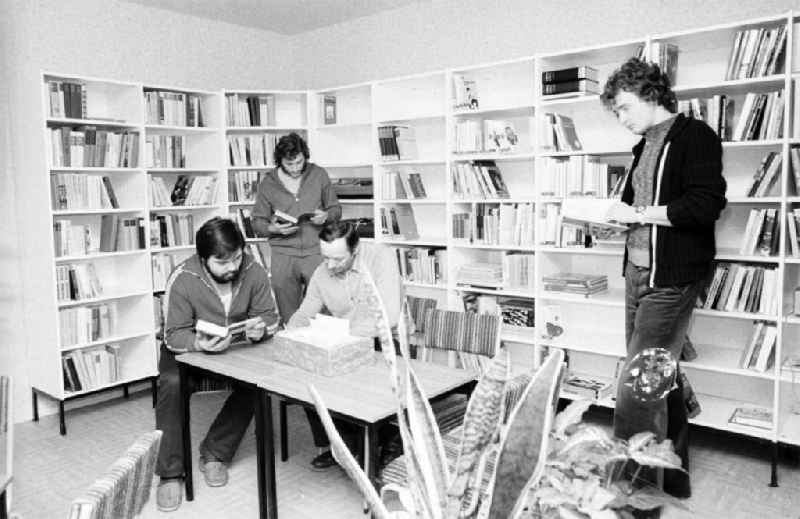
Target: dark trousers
{"x": 223, "y": 436}
{"x": 290, "y": 276}
{"x": 656, "y": 317}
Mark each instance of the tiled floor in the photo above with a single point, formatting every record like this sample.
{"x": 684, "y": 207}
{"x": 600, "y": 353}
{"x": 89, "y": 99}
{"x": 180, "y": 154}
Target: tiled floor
{"x": 730, "y": 476}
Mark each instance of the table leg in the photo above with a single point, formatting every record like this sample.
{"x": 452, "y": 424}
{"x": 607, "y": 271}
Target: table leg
{"x": 183, "y": 373}
{"x": 370, "y": 459}
{"x": 265, "y": 457}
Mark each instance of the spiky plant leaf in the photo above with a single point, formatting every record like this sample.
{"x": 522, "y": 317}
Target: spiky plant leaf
{"x": 346, "y": 460}
{"x": 524, "y": 442}
{"x": 650, "y": 497}
{"x": 415, "y": 480}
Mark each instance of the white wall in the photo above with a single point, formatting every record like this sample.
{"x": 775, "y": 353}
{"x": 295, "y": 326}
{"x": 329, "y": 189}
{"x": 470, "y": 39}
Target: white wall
{"x": 109, "y": 39}
{"x": 450, "y": 33}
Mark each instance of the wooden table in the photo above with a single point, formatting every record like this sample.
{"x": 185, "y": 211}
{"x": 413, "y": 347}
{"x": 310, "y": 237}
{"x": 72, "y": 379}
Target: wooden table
{"x": 362, "y": 397}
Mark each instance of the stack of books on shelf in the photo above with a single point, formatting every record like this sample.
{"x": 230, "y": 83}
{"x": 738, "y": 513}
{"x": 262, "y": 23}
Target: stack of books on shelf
{"x": 582, "y": 385}
{"x": 171, "y": 230}
{"x": 481, "y": 274}
{"x": 465, "y": 93}
{"x": 759, "y": 355}
{"x": 422, "y": 265}
{"x": 518, "y": 272}
{"x": 362, "y": 187}
{"x": 165, "y": 151}
{"x": 76, "y": 282}
{"x": 82, "y": 191}
{"x": 572, "y": 80}
{"x": 716, "y": 111}
{"x": 757, "y": 52}
{"x": 173, "y": 108}
{"x": 243, "y": 185}
{"x": 85, "y": 324}
{"x": 401, "y": 185}
{"x": 766, "y": 175}
{"x": 752, "y": 416}
{"x": 187, "y": 190}
{"x": 762, "y": 233}
{"x": 86, "y": 146}
{"x": 398, "y": 222}
{"x": 91, "y": 368}
{"x": 251, "y": 150}
{"x": 557, "y": 133}
{"x": 503, "y": 224}
{"x": 761, "y": 117}
{"x": 250, "y": 110}
{"x": 576, "y": 283}
{"x": 517, "y": 313}
{"x": 738, "y": 287}
{"x": 67, "y": 98}
{"x": 478, "y": 179}
{"x": 110, "y": 233}
{"x": 580, "y": 176}
{"x": 243, "y": 218}
{"x": 397, "y": 142}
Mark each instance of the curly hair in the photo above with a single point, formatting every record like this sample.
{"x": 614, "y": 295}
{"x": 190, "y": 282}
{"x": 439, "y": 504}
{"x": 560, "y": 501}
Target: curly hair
{"x": 646, "y": 80}
{"x": 290, "y": 146}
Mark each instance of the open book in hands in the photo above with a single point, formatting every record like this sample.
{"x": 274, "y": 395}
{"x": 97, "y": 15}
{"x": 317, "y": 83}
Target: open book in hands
{"x": 592, "y": 212}
{"x": 235, "y": 330}
{"x": 284, "y": 218}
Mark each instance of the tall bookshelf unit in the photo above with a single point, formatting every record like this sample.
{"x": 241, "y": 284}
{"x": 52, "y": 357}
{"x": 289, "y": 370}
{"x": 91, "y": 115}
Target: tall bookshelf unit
{"x": 427, "y": 107}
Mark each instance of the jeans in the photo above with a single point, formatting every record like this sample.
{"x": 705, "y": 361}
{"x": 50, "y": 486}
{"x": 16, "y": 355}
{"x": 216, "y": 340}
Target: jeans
{"x": 656, "y": 317}
{"x": 223, "y": 436}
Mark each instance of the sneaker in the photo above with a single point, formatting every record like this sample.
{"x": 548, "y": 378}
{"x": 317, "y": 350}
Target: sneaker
{"x": 323, "y": 461}
{"x": 169, "y": 494}
{"x": 215, "y": 472}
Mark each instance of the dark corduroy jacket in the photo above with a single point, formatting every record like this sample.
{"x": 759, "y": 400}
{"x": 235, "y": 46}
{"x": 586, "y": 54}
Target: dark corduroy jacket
{"x": 689, "y": 182}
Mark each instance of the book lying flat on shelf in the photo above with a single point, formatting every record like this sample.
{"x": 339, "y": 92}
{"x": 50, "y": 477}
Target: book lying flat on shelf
{"x": 752, "y": 416}
{"x": 587, "y": 386}
{"x": 575, "y": 283}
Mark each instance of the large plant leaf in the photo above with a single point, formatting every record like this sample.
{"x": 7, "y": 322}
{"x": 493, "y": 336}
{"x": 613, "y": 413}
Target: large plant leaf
{"x": 481, "y": 421}
{"x": 658, "y": 455}
{"x": 639, "y": 441}
{"x": 384, "y": 330}
{"x": 570, "y": 415}
{"x": 347, "y": 461}
{"x": 648, "y": 498}
{"x": 414, "y": 478}
{"x": 524, "y": 442}
{"x": 589, "y": 434}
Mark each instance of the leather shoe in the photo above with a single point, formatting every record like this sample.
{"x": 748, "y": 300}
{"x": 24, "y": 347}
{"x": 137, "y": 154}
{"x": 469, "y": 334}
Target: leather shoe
{"x": 169, "y": 494}
{"x": 323, "y": 461}
{"x": 215, "y": 472}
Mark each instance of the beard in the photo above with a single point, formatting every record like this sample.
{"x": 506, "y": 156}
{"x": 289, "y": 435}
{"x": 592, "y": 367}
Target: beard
{"x": 227, "y": 278}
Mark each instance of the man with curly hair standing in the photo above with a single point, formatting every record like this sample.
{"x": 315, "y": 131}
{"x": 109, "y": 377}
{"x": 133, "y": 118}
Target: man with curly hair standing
{"x": 671, "y": 200}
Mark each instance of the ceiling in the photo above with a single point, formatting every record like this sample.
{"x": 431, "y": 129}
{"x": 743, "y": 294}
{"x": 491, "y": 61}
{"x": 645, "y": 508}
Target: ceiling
{"x": 281, "y": 16}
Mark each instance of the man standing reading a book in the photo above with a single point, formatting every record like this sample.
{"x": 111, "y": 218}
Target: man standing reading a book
{"x": 671, "y": 200}
{"x": 217, "y": 287}
{"x": 297, "y": 188}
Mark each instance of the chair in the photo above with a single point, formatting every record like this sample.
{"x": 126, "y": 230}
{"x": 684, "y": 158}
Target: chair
{"x": 417, "y": 308}
{"x": 124, "y": 489}
{"x": 6, "y": 445}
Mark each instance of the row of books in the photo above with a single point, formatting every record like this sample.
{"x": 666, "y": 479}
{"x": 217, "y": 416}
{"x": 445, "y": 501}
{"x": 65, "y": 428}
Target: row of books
{"x": 243, "y": 218}
{"x": 397, "y": 142}
{"x": 173, "y": 108}
{"x": 756, "y": 53}
{"x": 663, "y": 54}
{"x": 243, "y": 185}
{"x": 86, "y": 146}
{"x": 472, "y": 135}
{"x": 575, "y": 283}
{"x": 518, "y": 269}
{"x": 251, "y": 150}
{"x": 557, "y": 133}
{"x": 716, "y": 111}
{"x": 767, "y": 172}
{"x": 759, "y": 355}
{"x": 165, "y": 151}
{"x": 76, "y": 282}
{"x": 580, "y": 176}
{"x": 187, "y": 190}
{"x": 761, "y": 117}
{"x": 91, "y": 368}
{"x": 250, "y": 110}
{"x": 558, "y": 230}
{"x": 580, "y": 79}
{"x": 402, "y": 185}
{"x": 736, "y": 287}
{"x": 107, "y": 233}
{"x": 478, "y": 179}
{"x": 171, "y": 230}
{"x": 398, "y": 221}
{"x": 422, "y": 265}
{"x": 762, "y": 233}
{"x": 503, "y": 224}
{"x": 82, "y": 191}
{"x": 67, "y": 99}
{"x": 85, "y": 324}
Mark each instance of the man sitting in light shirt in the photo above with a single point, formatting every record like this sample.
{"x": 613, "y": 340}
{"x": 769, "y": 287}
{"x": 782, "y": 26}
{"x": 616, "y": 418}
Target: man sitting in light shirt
{"x": 340, "y": 286}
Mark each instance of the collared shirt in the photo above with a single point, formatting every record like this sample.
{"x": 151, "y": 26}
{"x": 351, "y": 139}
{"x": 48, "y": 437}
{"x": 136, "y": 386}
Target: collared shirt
{"x": 347, "y": 295}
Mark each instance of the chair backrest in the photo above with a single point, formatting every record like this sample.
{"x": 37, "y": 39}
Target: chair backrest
{"x": 6, "y": 438}
{"x": 476, "y": 337}
{"x": 123, "y": 490}
{"x": 417, "y": 309}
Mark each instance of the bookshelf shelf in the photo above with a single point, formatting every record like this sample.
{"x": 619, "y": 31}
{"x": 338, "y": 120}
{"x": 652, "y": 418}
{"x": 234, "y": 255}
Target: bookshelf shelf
{"x": 106, "y": 340}
{"x": 87, "y": 169}
{"x": 518, "y": 334}
{"x": 753, "y": 144}
{"x": 592, "y": 251}
{"x": 611, "y": 297}
{"x": 757, "y": 201}
{"x": 168, "y": 208}
{"x": 64, "y": 121}
{"x": 602, "y": 343}
{"x": 102, "y": 387}
{"x": 245, "y": 203}
{"x": 179, "y": 130}
{"x": 735, "y": 315}
{"x": 418, "y": 201}
{"x": 253, "y": 129}
{"x": 98, "y": 255}
{"x": 175, "y": 248}
{"x": 735, "y": 85}
{"x": 514, "y": 200}
{"x": 357, "y": 201}
{"x": 509, "y": 292}
{"x": 69, "y": 212}
{"x": 498, "y": 111}
{"x": 732, "y": 255}
{"x": 101, "y": 299}
{"x": 182, "y": 170}
{"x": 467, "y": 245}
{"x": 422, "y": 242}
{"x": 717, "y": 411}
{"x": 563, "y": 99}
{"x": 346, "y": 125}
{"x": 721, "y": 359}
{"x": 598, "y": 153}
{"x": 411, "y": 162}
{"x": 410, "y": 118}
{"x": 416, "y": 284}
{"x": 464, "y": 157}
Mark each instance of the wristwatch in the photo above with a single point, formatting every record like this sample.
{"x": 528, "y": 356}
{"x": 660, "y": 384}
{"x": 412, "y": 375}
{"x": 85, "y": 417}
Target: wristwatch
{"x": 640, "y": 209}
